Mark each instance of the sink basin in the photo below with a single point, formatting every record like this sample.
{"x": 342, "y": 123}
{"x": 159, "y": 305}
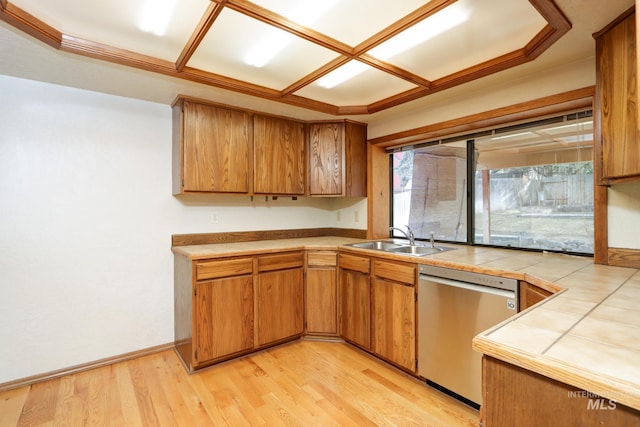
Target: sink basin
{"x": 400, "y": 247}
{"x": 419, "y": 250}
{"x": 380, "y": 245}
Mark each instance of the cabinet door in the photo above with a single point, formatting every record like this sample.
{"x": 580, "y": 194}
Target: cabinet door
{"x": 321, "y": 304}
{"x": 326, "y": 161}
{"x": 617, "y": 101}
{"x": 355, "y": 154}
{"x": 280, "y": 305}
{"x": 223, "y": 318}
{"x": 279, "y": 156}
{"x": 355, "y": 307}
{"x": 216, "y": 149}
{"x": 394, "y": 322}
{"x": 514, "y": 396}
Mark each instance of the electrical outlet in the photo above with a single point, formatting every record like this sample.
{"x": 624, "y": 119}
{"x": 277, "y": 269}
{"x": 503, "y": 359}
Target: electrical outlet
{"x": 356, "y": 216}
{"x": 214, "y": 218}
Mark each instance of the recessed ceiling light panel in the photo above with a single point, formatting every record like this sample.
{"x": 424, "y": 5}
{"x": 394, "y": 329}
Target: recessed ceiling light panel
{"x": 236, "y": 44}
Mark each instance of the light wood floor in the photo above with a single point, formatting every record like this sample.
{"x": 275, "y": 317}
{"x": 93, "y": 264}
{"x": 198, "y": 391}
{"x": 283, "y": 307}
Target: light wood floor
{"x": 305, "y": 383}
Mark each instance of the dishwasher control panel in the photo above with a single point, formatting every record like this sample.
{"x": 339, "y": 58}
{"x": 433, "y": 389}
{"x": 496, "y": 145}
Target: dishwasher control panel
{"x": 470, "y": 277}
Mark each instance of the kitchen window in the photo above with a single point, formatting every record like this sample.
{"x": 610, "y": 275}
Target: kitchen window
{"x": 527, "y": 186}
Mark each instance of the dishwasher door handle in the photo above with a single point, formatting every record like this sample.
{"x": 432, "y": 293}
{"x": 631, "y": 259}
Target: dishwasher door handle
{"x": 469, "y": 286}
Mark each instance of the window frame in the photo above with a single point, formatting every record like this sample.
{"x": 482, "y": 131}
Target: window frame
{"x": 539, "y": 109}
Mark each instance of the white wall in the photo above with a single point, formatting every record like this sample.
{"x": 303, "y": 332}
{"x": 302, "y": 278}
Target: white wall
{"x": 492, "y": 92}
{"x": 624, "y": 215}
{"x": 86, "y": 217}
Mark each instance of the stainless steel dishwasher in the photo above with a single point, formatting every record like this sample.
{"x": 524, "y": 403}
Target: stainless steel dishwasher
{"x": 453, "y": 307}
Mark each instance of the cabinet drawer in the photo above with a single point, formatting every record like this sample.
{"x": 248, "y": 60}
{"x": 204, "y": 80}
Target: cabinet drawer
{"x": 353, "y": 262}
{"x": 404, "y": 273}
{"x": 280, "y": 261}
{"x": 216, "y": 269}
{"x": 322, "y": 259}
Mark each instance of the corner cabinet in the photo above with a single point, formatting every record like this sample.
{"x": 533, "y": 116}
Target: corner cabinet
{"x": 279, "y": 156}
{"x": 530, "y": 294}
{"x": 617, "y": 135}
{"x": 337, "y": 160}
{"x": 211, "y": 149}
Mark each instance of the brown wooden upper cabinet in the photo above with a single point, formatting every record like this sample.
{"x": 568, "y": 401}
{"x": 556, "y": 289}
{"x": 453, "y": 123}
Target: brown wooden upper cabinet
{"x": 218, "y": 149}
{"x": 337, "y": 159}
{"x": 279, "y": 147}
{"x": 211, "y": 149}
{"x": 617, "y": 145}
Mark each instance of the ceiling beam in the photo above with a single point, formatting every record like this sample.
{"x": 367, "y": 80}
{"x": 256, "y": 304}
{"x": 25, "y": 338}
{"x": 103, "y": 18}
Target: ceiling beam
{"x": 279, "y": 21}
{"x": 29, "y": 24}
{"x": 310, "y": 78}
{"x": 557, "y": 26}
{"x": 103, "y": 52}
{"x": 207, "y": 20}
{"x": 199, "y": 76}
{"x": 395, "y": 71}
{"x": 399, "y": 26}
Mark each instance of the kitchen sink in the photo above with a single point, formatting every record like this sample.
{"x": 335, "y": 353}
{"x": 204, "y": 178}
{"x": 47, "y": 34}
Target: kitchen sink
{"x": 400, "y": 247}
{"x": 419, "y": 250}
{"x": 381, "y": 245}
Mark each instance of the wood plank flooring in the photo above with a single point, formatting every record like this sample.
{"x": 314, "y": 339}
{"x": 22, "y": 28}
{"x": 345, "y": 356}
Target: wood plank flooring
{"x": 305, "y": 383}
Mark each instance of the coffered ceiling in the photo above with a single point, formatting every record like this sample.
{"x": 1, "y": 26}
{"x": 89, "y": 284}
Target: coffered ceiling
{"x": 285, "y": 50}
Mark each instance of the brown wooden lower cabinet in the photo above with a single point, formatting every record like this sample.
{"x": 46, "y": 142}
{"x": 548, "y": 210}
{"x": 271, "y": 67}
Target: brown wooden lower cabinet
{"x": 377, "y": 300}
{"x": 205, "y": 330}
{"x": 530, "y": 294}
{"x": 223, "y": 330}
{"x": 354, "y": 295}
{"x": 279, "y": 297}
{"x": 279, "y": 312}
{"x": 226, "y": 307}
{"x": 321, "y": 293}
{"x": 394, "y": 313}
{"x": 513, "y": 396}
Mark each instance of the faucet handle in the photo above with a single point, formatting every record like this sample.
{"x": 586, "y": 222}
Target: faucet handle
{"x": 411, "y": 236}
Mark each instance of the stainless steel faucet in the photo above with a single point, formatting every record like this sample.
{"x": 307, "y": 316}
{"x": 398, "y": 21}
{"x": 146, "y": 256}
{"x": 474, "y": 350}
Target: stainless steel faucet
{"x": 408, "y": 234}
{"x": 431, "y": 239}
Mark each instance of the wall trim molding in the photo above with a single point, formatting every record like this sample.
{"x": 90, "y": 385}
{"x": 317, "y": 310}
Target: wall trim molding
{"x": 28, "y": 381}
{"x": 533, "y": 109}
{"x": 252, "y": 236}
{"x": 621, "y": 257}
